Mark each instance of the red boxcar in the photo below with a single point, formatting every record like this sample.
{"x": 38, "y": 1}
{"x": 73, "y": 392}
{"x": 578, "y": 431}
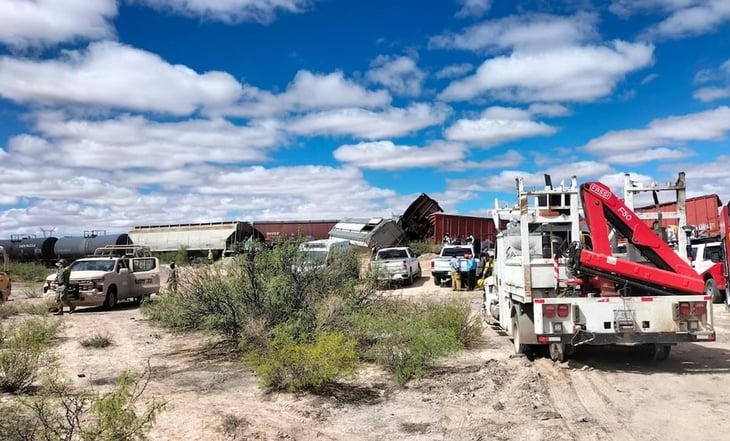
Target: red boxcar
{"x": 275, "y": 231}
{"x": 702, "y": 214}
{"x": 457, "y": 226}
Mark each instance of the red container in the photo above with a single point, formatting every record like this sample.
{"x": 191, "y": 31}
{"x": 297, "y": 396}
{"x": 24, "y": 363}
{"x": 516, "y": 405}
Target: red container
{"x": 457, "y": 226}
{"x": 275, "y": 231}
{"x": 702, "y": 213}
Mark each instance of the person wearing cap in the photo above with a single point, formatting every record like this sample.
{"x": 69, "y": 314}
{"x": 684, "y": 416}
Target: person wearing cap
{"x": 63, "y": 280}
{"x": 471, "y": 271}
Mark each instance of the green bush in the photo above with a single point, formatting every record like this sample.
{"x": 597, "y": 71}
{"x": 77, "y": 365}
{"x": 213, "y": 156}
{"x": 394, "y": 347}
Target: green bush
{"x": 289, "y": 364}
{"x": 24, "y": 353}
{"x": 407, "y": 339}
{"x": 17, "y": 308}
{"x": 97, "y": 341}
{"x": 268, "y": 287}
{"x": 59, "y": 412}
{"x": 28, "y": 272}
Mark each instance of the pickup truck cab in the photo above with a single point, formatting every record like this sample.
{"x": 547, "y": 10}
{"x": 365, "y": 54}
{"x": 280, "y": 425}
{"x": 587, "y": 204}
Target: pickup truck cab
{"x": 113, "y": 273}
{"x": 707, "y": 257}
{"x": 396, "y": 264}
{"x": 440, "y": 265}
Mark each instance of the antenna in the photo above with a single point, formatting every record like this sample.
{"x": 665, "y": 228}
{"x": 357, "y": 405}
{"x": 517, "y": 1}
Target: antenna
{"x": 47, "y": 232}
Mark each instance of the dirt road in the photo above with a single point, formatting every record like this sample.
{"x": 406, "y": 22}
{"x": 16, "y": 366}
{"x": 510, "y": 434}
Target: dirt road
{"x": 482, "y": 394}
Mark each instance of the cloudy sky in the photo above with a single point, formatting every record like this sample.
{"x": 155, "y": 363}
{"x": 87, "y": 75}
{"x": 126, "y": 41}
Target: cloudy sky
{"x": 116, "y": 113}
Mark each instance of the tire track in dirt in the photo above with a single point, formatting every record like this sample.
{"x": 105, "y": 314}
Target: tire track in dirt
{"x": 586, "y": 410}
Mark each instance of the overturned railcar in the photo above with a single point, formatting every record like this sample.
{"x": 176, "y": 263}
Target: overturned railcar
{"x": 415, "y": 222}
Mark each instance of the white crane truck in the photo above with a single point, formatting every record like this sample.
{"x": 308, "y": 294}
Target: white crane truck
{"x": 559, "y": 280}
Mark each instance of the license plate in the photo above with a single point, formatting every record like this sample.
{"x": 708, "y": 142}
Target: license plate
{"x": 623, "y": 315}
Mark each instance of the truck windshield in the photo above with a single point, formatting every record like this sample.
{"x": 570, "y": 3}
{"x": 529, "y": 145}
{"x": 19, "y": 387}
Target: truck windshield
{"x": 93, "y": 265}
{"x": 391, "y": 254}
{"x": 315, "y": 257}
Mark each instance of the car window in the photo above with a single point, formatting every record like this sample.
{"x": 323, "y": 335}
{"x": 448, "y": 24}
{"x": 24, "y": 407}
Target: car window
{"x": 713, "y": 253}
{"x": 456, "y": 251}
{"x": 144, "y": 264}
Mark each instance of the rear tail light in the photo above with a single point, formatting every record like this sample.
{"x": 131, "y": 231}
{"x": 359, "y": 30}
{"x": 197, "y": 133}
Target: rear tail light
{"x": 692, "y": 309}
{"x": 548, "y": 311}
{"x": 551, "y": 310}
{"x": 563, "y": 310}
{"x": 700, "y": 309}
{"x": 685, "y": 309}
{"x": 432, "y": 264}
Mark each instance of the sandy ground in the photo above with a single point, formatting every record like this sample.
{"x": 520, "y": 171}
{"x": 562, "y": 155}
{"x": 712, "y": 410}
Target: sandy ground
{"x": 481, "y": 394}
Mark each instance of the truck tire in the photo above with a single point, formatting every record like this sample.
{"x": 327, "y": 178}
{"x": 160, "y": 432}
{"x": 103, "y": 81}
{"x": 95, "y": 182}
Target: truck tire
{"x": 437, "y": 280}
{"x": 520, "y": 348}
{"x": 711, "y": 290}
{"x": 111, "y": 298}
{"x": 410, "y": 279}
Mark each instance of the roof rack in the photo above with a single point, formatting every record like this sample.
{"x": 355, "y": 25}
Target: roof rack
{"x": 123, "y": 251}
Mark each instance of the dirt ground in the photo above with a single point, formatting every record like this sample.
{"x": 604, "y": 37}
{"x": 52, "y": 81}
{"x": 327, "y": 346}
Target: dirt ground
{"x": 483, "y": 393}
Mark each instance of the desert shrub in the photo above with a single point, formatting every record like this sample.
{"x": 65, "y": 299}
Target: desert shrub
{"x": 97, "y": 341}
{"x": 287, "y": 363}
{"x": 179, "y": 256}
{"x": 28, "y": 271}
{"x": 24, "y": 352}
{"x": 17, "y": 308}
{"x": 407, "y": 339}
{"x": 59, "y": 412}
{"x": 269, "y": 286}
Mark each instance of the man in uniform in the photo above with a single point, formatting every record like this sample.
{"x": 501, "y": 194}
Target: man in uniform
{"x": 63, "y": 280}
{"x": 172, "y": 278}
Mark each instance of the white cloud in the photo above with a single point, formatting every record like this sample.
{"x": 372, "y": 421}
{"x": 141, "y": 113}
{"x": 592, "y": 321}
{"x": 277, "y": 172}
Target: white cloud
{"x": 529, "y": 32}
{"x": 707, "y": 94}
{"x": 309, "y": 91}
{"x": 399, "y": 74}
{"x": 231, "y": 11}
{"x": 648, "y": 155}
{"x": 710, "y": 125}
{"x": 135, "y": 142}
{"x": 25, "y": 23}
{"x": 626, "y": 8}
{"x": 385, "y": 155}
{"x": 691, "y": 18}
{"x": 497, "y": 125}
{"x": 114, "y": 75}
{"x": 548, "y": 109}
{"x": 583, "y": 170}
{"x": 511, "y": 158}
{"x": 473, "y": 8}
{"x": 649, "y": 78}
{"x": 454, "y": 71}
{"x": 720, "y": 76}
{"x": 565, "y": 74}
{"x": 367, "y": 124}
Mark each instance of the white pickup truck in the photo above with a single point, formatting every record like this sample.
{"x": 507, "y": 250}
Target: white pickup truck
{"x": 397, "y": 264}
{"x": 113, "y": 273}
{"x": 440, "y": 265}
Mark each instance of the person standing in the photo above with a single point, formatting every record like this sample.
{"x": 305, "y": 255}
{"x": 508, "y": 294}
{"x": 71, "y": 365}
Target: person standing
{"x": 471, "y": 271}
{"x": 210, "y": 256}
{"x": 455, "y": 264}
{"x": 63, "y": 280}
{"x": 172, "y": 278}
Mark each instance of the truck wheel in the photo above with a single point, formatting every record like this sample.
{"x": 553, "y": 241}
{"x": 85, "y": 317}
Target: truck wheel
{"x": 410, "y": 279}
{"x": 516, "y": 340}
{"x": 111, "y": 298}
{"x": 711, "y": 290}
{"x": 437, "y": 280}
{"x": 659, "y": 352}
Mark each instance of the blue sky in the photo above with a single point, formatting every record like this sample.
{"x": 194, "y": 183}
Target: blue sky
{"x": 139, "y": 112}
